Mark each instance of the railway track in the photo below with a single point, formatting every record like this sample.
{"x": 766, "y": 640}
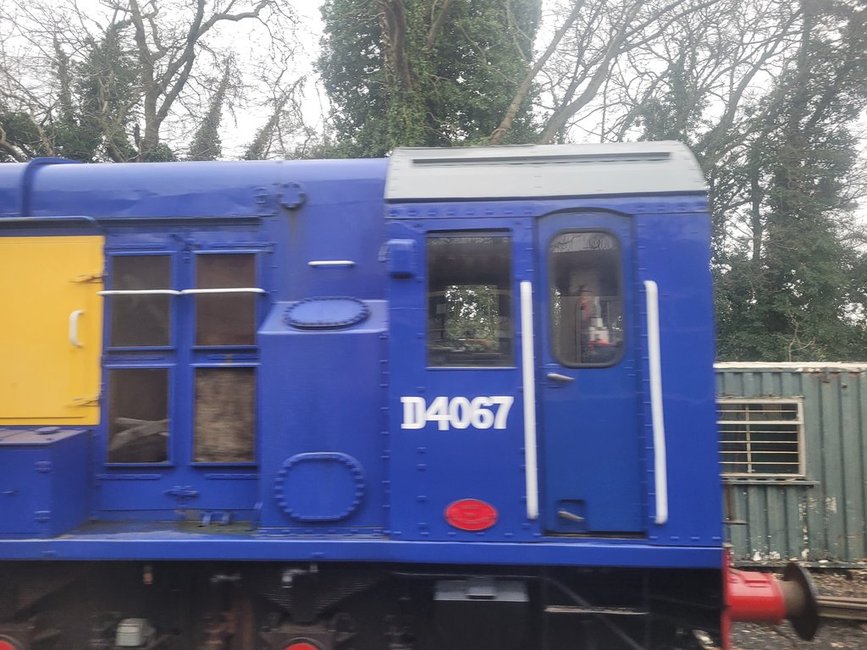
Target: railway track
{"x": 842, "y": 608}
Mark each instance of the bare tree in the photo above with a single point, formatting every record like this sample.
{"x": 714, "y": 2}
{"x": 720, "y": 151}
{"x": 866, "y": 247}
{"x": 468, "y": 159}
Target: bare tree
{"x": 132, "y": 79}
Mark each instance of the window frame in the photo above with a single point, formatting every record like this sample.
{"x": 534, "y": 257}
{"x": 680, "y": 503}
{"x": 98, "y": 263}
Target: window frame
{"x": 510, "y": 360}
{"x": 171, "y": 460}
{"x": 800, "y": 438}
{"x": 552, "y": 329}
{"x": 241, "y": 365}
{"x": 257, "y": 304}
{"x": 111, "y": 256}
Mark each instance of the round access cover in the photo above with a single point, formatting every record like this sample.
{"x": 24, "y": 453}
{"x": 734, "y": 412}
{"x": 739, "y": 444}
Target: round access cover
{"x": 320, "y": 486}
{"x": 326, "y": 313}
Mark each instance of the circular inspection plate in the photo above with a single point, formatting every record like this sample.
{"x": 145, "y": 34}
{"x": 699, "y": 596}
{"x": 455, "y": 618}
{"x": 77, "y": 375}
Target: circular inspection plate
{"x": 326, "y": 313}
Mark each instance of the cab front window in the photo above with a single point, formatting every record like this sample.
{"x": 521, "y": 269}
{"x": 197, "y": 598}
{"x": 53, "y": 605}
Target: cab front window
{"x": 469, "y": 299}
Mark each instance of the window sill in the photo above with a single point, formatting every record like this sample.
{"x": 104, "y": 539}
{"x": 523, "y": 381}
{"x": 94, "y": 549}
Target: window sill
{"x": 770, "y": 480}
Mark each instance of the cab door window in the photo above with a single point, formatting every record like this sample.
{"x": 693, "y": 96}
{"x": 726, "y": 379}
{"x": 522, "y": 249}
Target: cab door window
{"x": 586, "y": 298}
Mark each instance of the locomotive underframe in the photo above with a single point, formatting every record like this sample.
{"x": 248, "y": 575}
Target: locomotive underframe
{"x": 265, "y": 606}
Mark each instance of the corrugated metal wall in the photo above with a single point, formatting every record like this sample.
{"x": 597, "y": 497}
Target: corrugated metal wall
{"x": 824, "y": 515}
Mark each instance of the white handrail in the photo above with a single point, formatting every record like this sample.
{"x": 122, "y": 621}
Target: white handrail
{"x": 531, "y": 469}
{"x": 654, "y": 356}
{"x": 140, "y": 292}
{"x": 330, "y": 263}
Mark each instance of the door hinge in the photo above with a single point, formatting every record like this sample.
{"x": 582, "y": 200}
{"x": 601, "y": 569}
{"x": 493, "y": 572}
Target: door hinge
{"x": 89, "y": 278}
{"x": 86, "y": 401}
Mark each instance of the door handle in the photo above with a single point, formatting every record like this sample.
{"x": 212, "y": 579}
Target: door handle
{"x": 556, "y": 376}
{"x": 73, "y": 327}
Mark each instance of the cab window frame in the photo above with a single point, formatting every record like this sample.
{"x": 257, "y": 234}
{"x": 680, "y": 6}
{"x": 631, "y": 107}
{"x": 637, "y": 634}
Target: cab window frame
{"x": 505, "y": 354}
{"x": 555, "y": 351}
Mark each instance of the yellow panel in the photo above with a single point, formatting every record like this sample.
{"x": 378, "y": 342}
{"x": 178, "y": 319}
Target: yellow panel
{"x": 50, "y": 329}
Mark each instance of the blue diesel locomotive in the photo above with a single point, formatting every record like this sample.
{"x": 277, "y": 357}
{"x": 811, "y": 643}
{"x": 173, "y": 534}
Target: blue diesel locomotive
{"x": 454, "y": 399}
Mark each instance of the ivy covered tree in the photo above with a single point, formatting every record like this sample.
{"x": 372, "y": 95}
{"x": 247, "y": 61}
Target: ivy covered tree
{"x": 206, "y": 144}
{"x": 425, "y": 72}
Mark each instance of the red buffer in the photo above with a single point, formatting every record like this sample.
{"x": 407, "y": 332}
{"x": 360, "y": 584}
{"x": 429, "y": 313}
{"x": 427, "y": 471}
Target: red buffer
{"x": 762, "y": 597}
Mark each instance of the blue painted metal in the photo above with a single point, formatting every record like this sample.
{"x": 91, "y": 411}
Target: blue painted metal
{"x": 592, "y": 443}
{"x": 335, "y": 476}
{"x": 317, "y": 487}
{"x": 333, "y": 409}
{"x": 149, "y": 542}
{"x": 326, "y": 313}
{"x": 27, "y": 178}
{"x": 44, "y": 481}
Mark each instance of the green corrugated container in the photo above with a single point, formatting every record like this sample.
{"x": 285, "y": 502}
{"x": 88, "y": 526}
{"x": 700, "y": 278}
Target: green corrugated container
{"x": 793, "y": 439}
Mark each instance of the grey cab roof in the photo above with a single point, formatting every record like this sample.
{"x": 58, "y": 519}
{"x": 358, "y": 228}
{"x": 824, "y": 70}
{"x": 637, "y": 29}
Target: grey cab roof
{"x": 534, "y": 171}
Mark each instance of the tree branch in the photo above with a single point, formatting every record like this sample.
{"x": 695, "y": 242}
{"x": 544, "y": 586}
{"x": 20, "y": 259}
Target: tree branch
{"x": 526, "y": 83}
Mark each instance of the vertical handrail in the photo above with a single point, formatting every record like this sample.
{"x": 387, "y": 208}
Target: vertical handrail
{"x": 531, "y": 469}
{"x": 654, "y": 358}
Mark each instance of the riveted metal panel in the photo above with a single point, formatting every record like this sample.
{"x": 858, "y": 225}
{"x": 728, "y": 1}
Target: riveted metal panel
{"x": 822, "y": 517}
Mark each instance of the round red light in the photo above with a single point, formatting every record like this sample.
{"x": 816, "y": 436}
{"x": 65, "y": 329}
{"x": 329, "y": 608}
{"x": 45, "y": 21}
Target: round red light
{"x": 6, "y": 645}
{"x": 471, "y": 514}
{"x": 301, "y": 645}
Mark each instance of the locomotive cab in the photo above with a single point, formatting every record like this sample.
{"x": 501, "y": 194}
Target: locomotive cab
{"x": 530, "y": 326}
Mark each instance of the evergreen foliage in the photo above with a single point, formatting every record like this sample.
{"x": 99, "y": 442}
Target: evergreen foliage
{"x": 400, "y": 73}
{"x": 206, "y": 144}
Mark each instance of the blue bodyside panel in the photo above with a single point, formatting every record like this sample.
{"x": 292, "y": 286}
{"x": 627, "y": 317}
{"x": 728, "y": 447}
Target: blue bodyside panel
{"x": 105, "y": 542}
{"x": 673, "y": 251}
{"x": 44, "y": 481}
{"x": 323, "y": 460}
{"x": 339, "y": 472}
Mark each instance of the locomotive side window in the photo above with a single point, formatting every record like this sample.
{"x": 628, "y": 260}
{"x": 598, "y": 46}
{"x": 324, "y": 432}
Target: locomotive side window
{"x": 586, "y": 298}
{"x": 225, "y": 415}
{"x": 227, "y": 316}
{"x": 138, "y": 427}
{"x": 140, "y": 315}
{"x": 469, "y": 299}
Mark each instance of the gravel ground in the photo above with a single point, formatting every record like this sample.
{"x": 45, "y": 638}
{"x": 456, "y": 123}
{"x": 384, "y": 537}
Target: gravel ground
{"x": 832, "y": 635}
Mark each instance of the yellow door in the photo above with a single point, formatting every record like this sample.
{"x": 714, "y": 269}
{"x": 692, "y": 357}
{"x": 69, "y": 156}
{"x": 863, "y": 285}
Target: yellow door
{"x": 50, "y": 329}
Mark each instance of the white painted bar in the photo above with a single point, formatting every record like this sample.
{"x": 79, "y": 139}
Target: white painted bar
{"x": 318, "y": 264}
{"x": 531, "y": 469}
{"x": 660, "y": 471}
{"x": 140, "y": 292}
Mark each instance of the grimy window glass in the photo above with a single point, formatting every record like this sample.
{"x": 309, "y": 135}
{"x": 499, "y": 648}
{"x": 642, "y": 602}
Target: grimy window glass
{"x": 469, "y": 299}
{"x": 138, "y": 426}
{"x": 586, "y": 298}
{"x": 225, "y": 415}
{"x": 225, "y": 318}
{"x": 140, "y": 319}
